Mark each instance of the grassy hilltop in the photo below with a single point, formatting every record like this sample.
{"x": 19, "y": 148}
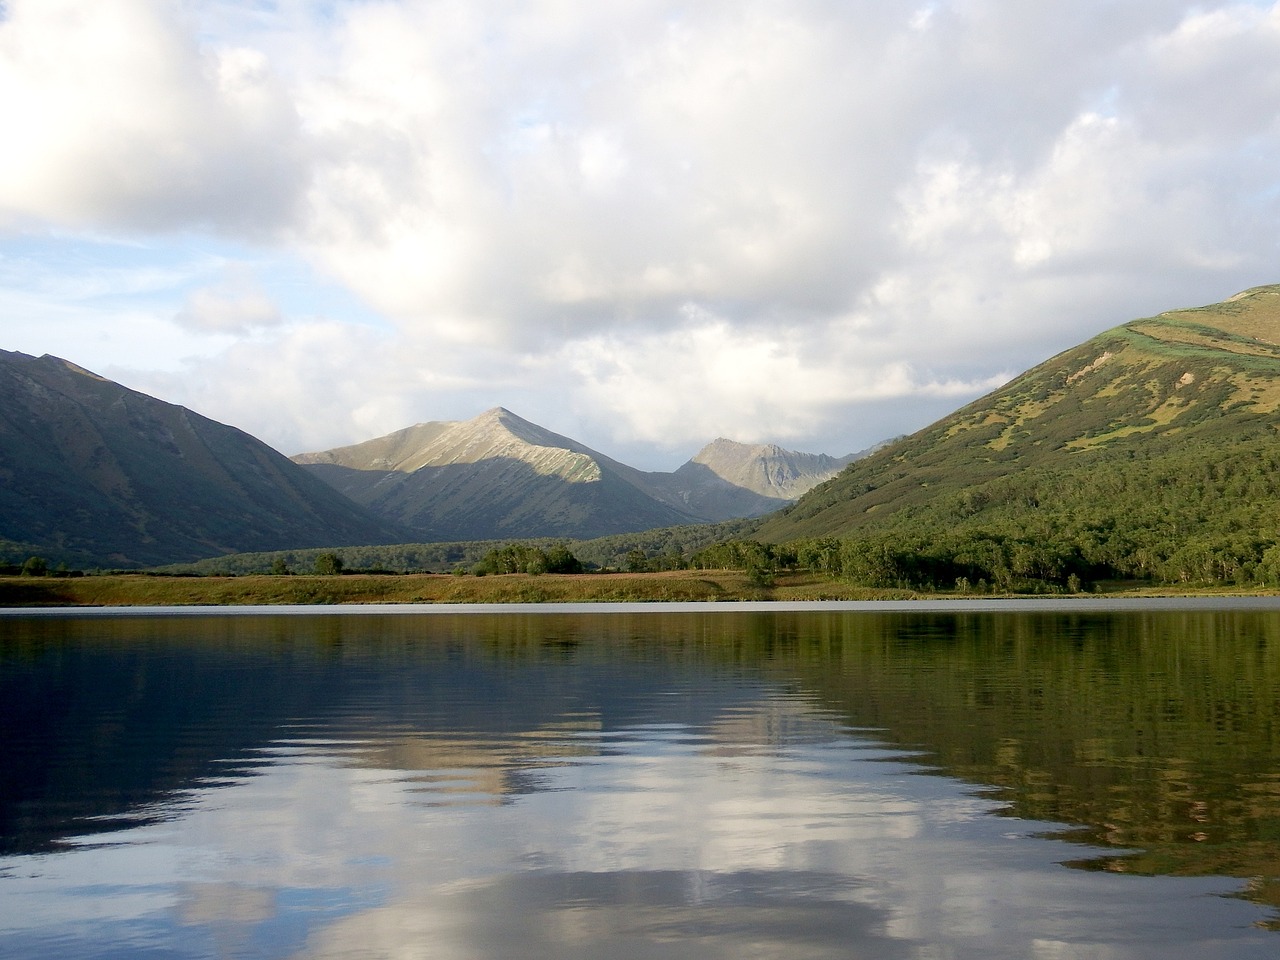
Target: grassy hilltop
{"x": 1149, "y": 451}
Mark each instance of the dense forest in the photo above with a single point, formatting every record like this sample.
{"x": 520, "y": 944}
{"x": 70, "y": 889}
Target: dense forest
{"x": 667, "y": 548}
{"x": 1189, "y": 517}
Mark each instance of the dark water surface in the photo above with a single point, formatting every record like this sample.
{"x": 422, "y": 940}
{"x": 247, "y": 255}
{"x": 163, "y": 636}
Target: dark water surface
{"x": 798, "y": 784}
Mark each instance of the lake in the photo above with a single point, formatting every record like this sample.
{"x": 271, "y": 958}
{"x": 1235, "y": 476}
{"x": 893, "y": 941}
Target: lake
{"x": 918, "y": 781}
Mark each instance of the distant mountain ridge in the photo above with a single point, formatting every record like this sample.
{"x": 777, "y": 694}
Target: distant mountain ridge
{"x": 726, "y": 480}
{"x": 768, "y": 469}
{"x": 498, "y": 475}
{"x": 97, "y": 474}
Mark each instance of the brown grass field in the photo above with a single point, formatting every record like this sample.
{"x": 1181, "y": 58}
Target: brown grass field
{"x": 704, "y": 585}
{"x": 145, "y": 590}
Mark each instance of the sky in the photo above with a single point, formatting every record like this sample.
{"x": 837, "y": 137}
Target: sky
{"x": 642, "y": 224}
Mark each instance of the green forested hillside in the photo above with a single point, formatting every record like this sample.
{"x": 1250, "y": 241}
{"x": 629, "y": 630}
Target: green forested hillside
{"x": 1150, "y": 451}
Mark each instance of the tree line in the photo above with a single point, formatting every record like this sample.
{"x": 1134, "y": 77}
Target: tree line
{"x": 1188, "y": 517}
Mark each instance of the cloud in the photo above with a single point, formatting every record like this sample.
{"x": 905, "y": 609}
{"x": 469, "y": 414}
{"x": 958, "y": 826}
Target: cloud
{"x": 532, "y": 184}
{"x": 306, "y": 386}
{"x": 753, "y": 385}
{"x": 237, "y": 304}
{"x": 1186, "y": 84}
{"x": 550, "y": 178}
{"x": 315, "y": 383}
{"x": 115, "y": 116}
{"x": 683, "y": 217}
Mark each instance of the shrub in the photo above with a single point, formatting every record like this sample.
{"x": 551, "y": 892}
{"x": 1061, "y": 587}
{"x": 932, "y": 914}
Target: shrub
{"x": 35, "y": 567}
{"x": 328, "y": 564}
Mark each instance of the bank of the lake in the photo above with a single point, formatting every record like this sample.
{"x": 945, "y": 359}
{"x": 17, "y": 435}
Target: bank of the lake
{"x": 147, "y": 590}
{"x": 135, "y": 589}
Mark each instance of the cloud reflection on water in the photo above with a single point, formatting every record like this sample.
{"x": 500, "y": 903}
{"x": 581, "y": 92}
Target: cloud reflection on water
{"x": 727, "y": 819}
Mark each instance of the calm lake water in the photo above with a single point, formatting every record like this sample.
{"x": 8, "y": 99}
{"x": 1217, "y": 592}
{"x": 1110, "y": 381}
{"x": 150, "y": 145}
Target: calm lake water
{"x": 657, "y": 784}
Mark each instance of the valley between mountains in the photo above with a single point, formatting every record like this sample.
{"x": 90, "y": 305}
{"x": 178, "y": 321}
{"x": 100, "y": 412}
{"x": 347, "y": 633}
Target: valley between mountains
{"x": 97, "y": 475}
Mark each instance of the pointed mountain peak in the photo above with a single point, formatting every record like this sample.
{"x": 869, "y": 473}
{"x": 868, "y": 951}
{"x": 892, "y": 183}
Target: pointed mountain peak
{"x": 721, "y": 448}
{"x": 48, "y": 362}
{"x": 766, "y": 468}
{"x": 498, "y": 425}
{"x": 495, "y": 434}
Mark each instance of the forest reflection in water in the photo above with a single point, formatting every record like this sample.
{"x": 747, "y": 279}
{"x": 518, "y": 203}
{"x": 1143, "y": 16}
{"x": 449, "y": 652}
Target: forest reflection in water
{"x": 642, "y": 784}
{"x": 1154, "y": 734}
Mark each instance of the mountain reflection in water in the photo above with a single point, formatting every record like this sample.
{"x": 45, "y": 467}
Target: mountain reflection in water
{"x": 641, "y": 785}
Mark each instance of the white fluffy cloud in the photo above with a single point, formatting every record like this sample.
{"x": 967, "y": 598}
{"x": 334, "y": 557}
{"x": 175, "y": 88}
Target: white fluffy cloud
{"x": 717, "y": 218}
{"x": 116, "y": 115}
{"x": 236, "y": 304}
{"x": 752, "y": 385}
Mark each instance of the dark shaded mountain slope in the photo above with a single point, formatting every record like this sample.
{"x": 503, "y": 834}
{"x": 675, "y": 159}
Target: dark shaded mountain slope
{"x": 92, "y": 473}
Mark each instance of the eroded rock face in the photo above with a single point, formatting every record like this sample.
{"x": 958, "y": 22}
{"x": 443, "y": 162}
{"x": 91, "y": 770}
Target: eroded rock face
{"x": 768, "y": 469}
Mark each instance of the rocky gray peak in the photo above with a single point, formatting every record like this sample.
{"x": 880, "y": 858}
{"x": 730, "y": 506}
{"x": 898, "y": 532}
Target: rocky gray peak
{"x": 766, "y": 468}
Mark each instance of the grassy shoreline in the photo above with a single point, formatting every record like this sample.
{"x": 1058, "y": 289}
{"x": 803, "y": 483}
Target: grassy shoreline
{"x": 686, "y": 585}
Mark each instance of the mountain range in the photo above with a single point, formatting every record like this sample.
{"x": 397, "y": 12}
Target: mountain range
{"x": 1150, "y": 451}
{"x": 500, "y": 476}
{"x": 95, "y": 474}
